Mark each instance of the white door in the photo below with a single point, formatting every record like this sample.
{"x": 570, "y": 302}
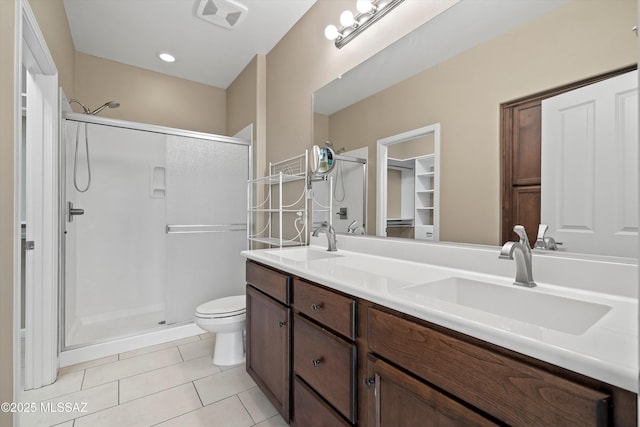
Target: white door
{"x": 589, "y": 167}
{"x": 41, "y": 231}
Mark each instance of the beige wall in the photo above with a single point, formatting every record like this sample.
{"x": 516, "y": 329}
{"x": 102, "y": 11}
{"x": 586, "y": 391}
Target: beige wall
{"x": 7, "y": 197}
{"x": 464, "y": 94}
{"x": 304, "y": 60}
{"x": 246, "y": 105}
{"x": 241, "y": 98}
{"x": 53, "y": 23}
{"x": 149, "y": 97}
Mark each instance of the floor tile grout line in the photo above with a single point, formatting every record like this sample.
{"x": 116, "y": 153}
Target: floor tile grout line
{"x": 133, "y": 400}
{"x": 177, "y": 385}
{"x": 193, "y": 410}
{"x": 166, "y": 366}
{"x": 198, "y": 393}
{"x": 84, "y": 375}
{"x": 245, "y": 406}
{"x": 143, "y": 372}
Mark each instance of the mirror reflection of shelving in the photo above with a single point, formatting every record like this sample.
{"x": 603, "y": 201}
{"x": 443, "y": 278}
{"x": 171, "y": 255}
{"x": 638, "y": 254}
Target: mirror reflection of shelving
{"x": 400, "y": 192}
{"x": 277, "y": 214}
{"x": 426, "y": 198}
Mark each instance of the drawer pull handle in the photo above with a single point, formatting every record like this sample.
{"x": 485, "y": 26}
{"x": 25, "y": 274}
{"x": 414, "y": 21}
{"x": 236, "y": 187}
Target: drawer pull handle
{"x": 369, "y": 382}
{"x": 316, "y": 307}
{"x": 316, "y": 362}
{"x": 281, "y": 323}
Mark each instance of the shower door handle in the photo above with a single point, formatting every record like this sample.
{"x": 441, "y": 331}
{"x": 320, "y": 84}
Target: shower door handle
{"x": 73, "y": 211}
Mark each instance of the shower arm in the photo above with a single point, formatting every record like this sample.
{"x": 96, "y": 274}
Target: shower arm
{"x": 84, "y": 107}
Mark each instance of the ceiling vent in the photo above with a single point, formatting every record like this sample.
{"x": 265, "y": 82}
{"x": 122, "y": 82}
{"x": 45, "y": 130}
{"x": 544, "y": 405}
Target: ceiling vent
{"x": 224, "y": 13}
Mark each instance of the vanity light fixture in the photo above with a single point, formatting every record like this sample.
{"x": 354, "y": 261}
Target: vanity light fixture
{"x": 369, "y": 11}
{"x": 166, "y": 57}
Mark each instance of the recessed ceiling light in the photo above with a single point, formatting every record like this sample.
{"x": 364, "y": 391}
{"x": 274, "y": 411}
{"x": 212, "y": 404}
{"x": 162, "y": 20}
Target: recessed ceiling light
{"x": 167, "y": 57}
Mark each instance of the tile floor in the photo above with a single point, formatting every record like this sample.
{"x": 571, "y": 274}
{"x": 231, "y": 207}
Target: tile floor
{"x": 171, "y": 384}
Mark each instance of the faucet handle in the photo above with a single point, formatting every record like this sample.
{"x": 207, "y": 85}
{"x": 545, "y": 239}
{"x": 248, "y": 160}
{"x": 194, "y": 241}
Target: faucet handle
{"x": 542, "y": 230}
{"x": 522, "y": 233}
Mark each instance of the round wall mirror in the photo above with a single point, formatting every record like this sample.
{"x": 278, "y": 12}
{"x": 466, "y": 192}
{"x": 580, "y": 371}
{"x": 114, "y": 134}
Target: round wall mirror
{"x": 323, "y": 160}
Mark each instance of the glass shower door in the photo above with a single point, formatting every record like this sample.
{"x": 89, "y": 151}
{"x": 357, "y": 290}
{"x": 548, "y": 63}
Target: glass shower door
{"x": 206, "y": 215}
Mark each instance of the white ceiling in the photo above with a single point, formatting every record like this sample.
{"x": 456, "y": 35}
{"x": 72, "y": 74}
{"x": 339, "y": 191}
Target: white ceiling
{"x": 135, "y": 31}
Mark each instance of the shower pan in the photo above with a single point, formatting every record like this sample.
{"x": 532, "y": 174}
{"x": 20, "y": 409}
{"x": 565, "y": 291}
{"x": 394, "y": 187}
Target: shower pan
{"x": 163, "y": 224}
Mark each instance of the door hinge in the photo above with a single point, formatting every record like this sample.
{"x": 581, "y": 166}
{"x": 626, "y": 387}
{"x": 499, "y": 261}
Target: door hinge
{"x": 30, "y": 245}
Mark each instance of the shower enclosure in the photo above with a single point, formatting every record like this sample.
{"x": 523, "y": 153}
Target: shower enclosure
{"x": 341, "y": 200}
{"x": 158, "y": 232}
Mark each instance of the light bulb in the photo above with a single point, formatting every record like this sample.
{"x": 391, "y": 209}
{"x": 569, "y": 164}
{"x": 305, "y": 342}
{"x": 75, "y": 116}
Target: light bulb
{"x": 364, "y": 6}
{"x": 331, "y": 32}
{"x": 167, "y": 57}
{"x": 346, "y": 18}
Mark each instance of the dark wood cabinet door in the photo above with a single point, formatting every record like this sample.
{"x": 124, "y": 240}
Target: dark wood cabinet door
{"x": 310, "y": 410}
{"x": 268, "y": 348}
{"x": 399, "y": 400}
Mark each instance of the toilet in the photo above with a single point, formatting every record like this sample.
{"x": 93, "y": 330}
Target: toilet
{"x": 226, "y": 317}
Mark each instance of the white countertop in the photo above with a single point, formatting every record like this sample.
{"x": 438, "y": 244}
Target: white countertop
{"x": 607, "y": 350}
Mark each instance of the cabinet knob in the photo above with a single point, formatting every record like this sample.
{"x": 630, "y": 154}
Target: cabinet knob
{"x": 282, "y": 323}
{"x": 316, "y": 362}
{"x": 316, "y": 307}
{"x": 369, "y": 382}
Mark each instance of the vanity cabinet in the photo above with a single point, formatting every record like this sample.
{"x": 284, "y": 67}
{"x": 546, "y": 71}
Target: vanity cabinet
{"x": 268, "y": 338}
{"x": 358, "y": 363}
{"x": 324, "y": 355}
{"x": 504, "y": 388}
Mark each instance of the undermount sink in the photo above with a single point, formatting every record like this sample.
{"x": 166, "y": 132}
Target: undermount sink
{"x": 526, "y": 305}
{"x": 304, "y": 254}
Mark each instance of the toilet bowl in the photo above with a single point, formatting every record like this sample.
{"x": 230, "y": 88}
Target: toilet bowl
{"x": 226, "y": 317}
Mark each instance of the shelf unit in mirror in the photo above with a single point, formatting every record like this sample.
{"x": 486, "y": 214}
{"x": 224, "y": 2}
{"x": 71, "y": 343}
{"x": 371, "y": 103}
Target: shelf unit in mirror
{"x": 277, "y": 214}
{"x": 426, "y": 205}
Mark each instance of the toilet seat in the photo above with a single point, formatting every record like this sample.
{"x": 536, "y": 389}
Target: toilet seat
{"x": 222, "y": 308}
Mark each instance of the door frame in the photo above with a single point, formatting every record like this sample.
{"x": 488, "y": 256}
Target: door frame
{"x": 381, "y": 173}
{"x": 41, "y": 347}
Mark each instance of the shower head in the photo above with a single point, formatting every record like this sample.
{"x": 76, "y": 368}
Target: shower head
{"x": 86, "y": 110}
{"x": 330, "y": 145}
{"x": 108, "y": 104}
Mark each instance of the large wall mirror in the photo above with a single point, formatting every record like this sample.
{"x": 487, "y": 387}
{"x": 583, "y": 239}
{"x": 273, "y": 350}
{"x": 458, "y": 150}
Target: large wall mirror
{"x": 458, "y": 70}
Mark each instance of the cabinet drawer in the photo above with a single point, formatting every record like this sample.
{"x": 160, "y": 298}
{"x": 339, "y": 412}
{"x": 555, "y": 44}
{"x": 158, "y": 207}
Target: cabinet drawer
{"x": 510, "y": 390}
{"x": 333, "y": 310}
{"x": 272, "y": 283}
{"x": 326, "y": 363}
{"x": 309, "y": 410}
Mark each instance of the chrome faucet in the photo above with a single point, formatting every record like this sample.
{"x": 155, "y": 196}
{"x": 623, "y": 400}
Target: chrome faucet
{"x": 544, "y": 242}
{"x": 522, "y": 252}
{"x": 331, "y": 235}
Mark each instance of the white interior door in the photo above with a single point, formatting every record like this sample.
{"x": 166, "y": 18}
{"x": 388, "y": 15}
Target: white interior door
{"x": 589, "y": 167}
{"x": 41, "y": 231}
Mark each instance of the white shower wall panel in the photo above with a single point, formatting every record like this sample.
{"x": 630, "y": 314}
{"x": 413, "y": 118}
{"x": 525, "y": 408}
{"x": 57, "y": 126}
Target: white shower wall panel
{"x": 120, "y": 238}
